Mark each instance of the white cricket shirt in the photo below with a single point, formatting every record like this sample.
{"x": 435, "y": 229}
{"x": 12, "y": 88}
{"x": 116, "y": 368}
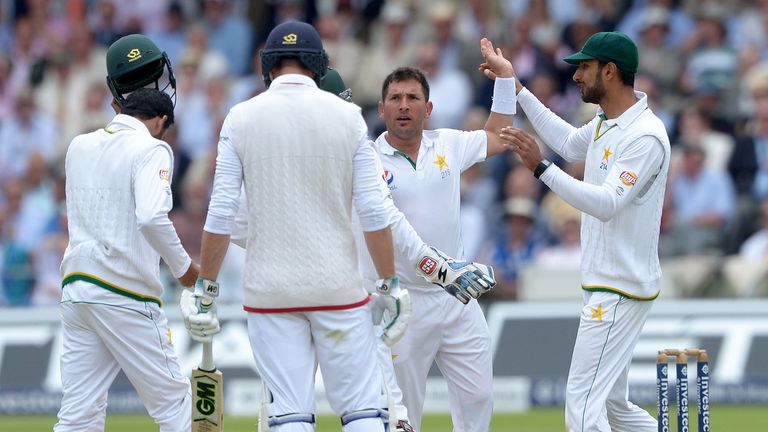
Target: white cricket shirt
{"x": 118, "y": 199}
{"x": 621, "y": 197}
{"x": 427, "y": 191}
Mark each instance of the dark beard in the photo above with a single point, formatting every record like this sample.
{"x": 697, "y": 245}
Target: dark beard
{"x": 594, "y": 94}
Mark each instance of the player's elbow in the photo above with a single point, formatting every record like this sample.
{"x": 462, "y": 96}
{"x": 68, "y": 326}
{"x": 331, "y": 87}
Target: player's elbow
{"x": 149, "y": 222}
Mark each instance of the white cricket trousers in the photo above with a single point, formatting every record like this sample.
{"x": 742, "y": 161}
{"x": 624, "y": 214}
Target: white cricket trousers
{"x": 456, "y": 337}
{"x": 109, "y": 332}
{"x": 285, "y": 347}
{"x": 596, "y": 397}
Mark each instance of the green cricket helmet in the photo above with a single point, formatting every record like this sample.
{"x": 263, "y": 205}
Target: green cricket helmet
{"x": 133, "y": 62}
{"x": 333, "y": 83}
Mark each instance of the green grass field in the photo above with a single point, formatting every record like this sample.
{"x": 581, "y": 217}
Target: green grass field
{"x": 723, "y": 418}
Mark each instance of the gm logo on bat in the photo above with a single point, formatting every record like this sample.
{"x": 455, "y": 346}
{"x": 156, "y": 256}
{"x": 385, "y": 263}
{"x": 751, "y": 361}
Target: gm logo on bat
{"x": 206, "y": 397}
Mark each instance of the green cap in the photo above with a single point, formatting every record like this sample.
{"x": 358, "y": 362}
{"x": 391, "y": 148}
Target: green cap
{"x": 333, "y": 83}
{"x": 614, "y": 47}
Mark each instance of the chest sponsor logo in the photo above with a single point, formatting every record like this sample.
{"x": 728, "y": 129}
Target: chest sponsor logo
{"x": 389, "y": 178}
{"x": 629, "y": 178}
{"x": 165, "y": 174}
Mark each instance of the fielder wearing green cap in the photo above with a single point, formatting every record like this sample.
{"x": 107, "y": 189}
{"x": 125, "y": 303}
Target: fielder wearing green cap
{"x": 608, "y": 47}
{"x": 626, "y": 153}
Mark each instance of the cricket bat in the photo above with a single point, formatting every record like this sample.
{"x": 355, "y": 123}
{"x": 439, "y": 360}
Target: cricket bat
{"x": 207, "y": 394}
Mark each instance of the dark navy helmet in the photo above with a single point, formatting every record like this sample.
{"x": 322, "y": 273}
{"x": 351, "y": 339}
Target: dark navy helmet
{"x": 297, "y": 40}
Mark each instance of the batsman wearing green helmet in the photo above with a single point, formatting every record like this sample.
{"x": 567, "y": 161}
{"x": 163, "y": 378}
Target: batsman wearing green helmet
{"x": 118, "y": 197}
{"x": 133, "y": 62}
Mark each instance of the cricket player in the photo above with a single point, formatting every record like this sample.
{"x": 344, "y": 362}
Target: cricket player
{"x": 423, "y": 173}
{"x": 118, "y": 198}
{"x": 627, "y": 153}
{"x": 297, "y": 150}
{"x": 468, "y": 279}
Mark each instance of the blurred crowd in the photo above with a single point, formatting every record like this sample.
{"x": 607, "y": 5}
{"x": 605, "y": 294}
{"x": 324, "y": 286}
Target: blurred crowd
{"x": 703, "y": 64}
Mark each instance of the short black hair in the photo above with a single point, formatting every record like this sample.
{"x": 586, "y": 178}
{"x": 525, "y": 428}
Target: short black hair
{"x": 627, "y": 78}
{"x": 147, "y": 103}
{"x": 404, "y": 74}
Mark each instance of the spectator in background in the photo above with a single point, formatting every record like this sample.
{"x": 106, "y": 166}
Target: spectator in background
{"x": 27, "y": 132}
{"x": 343, "y": 49}
{"x": 680, "y": 22}
{"x": 75, "y": 65}
{"x": 148, "y": 14}
{"x": 7, "y": 90}
{"x": 450, "y": 90}
{"x": 455, "y": 53}
{"x": 250, "y": 85}
{"x": 389, "y": 49}
{"x": 695, "y": 129}
{"x": 712, "y": 63}
{"x": 103, "y": 22}
{"x": 749, "y": 163}
{"x": 171, "y": 37}
{"x": 702, "y": 204}
{"x": 515, "y": 247}
{"x": 479, "y": 17}
{"x": 659, "y": 60}
{"x": 17, "y": 273}
{"x": 755, "y": 248}
{"x": 229, "y": 33}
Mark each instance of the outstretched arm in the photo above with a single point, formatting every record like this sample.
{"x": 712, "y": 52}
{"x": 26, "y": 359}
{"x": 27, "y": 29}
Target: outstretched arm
{"x": 504, "y": 105}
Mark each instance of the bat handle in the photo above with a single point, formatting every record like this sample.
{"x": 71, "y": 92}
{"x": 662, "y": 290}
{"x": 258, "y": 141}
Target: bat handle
{"x": 206, "y": 363}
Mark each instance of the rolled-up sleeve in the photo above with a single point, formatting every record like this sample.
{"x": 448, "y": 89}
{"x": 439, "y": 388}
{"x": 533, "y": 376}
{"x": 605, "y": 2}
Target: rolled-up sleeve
{"x": 366, "y": 188}
{"x": 226, "y": 183}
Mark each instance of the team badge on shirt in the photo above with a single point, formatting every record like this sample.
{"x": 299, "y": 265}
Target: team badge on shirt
{"x": 442, "y": 165}
{"x": 165, "y": 174}
{"x": 606, "y": 154}
{"x": 629, "y": 178}
{"x": 597, "y": 313}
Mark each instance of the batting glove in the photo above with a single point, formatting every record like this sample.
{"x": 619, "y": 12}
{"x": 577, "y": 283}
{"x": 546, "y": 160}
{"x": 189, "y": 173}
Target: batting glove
{"x": 199, "y": 313}
{"x": 461, "y": 279}
{"x": 391, "y": 309}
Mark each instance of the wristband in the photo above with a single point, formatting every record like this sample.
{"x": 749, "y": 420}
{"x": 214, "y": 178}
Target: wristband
{"x": 541, "y": 167}
{"x": 504, "y": 96}
{"x": 206, "y": 287}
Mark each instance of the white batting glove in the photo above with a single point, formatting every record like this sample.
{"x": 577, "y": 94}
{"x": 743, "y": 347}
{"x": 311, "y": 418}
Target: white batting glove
{"x": 461, "y": 279}
{"x": 199, "y": 313}
{"x": 391, "y": 309}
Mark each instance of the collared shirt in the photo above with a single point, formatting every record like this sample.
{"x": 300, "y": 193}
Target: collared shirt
{"x": 622, "y": 194}
{"x": 427, "y": 190}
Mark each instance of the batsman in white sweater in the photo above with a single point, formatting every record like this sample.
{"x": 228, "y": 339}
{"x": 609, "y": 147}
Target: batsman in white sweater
{"x": 297, "y": 150}
{"x": 626, "y": 151}
{"x": 118, "y": 198}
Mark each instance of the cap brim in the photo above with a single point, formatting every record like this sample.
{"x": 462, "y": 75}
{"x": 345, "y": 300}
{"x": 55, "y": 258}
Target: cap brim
{"x": 577, "y": 58}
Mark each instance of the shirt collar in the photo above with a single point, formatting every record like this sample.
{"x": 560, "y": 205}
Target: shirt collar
{"x": 292, "y": 79}
{"x": 123, "y": 121}
{"x": 628, "y": 116}
{"x": 428, "y": 138}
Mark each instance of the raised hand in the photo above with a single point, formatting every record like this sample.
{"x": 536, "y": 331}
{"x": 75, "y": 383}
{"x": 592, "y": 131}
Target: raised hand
{"x": 494, "y": 64}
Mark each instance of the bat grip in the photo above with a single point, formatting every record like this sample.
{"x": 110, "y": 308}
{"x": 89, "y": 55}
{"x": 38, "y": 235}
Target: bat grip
{"x": 206, "y": 363}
